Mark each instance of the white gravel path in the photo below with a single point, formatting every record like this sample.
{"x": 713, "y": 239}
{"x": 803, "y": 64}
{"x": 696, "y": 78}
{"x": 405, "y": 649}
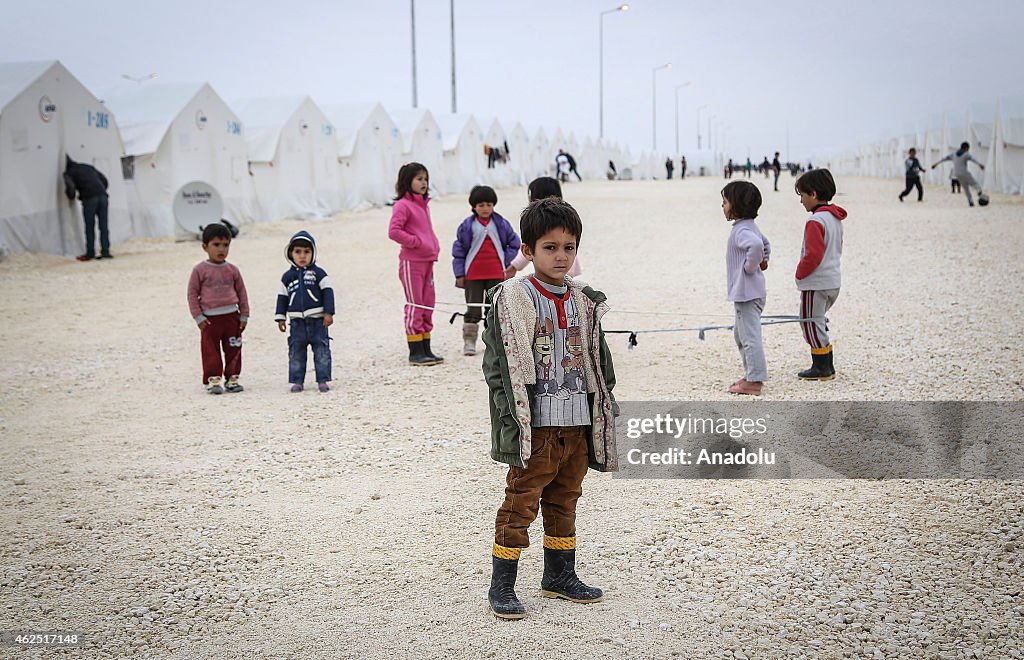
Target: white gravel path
{"x": 164, "y": 522}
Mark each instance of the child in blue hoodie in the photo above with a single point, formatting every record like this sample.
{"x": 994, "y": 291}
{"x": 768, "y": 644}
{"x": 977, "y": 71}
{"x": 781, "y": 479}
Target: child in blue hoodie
{"x": 306, "y": 299}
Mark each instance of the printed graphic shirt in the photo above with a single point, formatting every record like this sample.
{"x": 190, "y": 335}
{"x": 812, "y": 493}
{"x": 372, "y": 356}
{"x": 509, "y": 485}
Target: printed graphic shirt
{"x": 560, "y": 398}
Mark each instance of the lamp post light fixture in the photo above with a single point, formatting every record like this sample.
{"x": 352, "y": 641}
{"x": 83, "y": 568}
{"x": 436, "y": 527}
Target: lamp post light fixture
{"x": 138, "y": 80}
{"x": 678, "y": 87}
{"x": 698, "y": 124}
{"x": 654, "y": 103}
{"x": 600, "y": 82}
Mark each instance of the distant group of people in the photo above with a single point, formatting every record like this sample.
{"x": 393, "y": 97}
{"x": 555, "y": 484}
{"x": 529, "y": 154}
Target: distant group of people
{"x": 670, "y": 167}
{"x": 961, "y": 177}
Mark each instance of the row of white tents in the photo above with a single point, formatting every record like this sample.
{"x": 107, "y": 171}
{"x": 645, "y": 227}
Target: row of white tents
{"x": 995, "y": 132}
{"x": 268, "y": 158}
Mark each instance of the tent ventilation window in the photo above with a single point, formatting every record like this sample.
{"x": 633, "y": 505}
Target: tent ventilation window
{"x": 128, "y": 168}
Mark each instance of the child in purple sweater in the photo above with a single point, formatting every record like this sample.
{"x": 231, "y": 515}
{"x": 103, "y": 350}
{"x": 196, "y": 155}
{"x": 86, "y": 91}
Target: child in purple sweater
{"x": 220, "y": 307}
{"x": 746, "y": 255}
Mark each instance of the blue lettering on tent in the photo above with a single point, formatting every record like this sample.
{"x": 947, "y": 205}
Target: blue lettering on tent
{"x": 328, "y": 130}
{"x": 99, "y": 119}
{"x": 234, "y": 127}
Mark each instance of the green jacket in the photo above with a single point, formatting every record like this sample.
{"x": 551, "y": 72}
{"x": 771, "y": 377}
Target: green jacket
{"x": 511, "y": 374}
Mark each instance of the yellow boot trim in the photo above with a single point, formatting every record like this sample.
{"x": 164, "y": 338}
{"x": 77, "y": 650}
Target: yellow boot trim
{"x": 560, "y": 542}
{"x": 414, "y": 337}
{"x": 822, "y": 351}
{"x": 501, "y": 552}
{"x": 426, "y": 335}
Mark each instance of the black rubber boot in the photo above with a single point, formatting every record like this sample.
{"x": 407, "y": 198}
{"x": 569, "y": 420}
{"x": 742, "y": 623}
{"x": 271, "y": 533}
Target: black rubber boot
{"x": 502, "y": 594}
{"x": 821, "y": 367}
{"x": 417, "y": 357}
{"x": 429, "y": 353}
{"x": 560, "y": 580}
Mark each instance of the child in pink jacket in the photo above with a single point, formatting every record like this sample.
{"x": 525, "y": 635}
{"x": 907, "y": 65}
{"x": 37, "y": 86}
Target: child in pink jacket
{"x": 412, "y": 229}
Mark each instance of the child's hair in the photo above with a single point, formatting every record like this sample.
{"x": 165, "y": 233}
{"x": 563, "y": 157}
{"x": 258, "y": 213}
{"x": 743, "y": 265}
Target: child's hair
{"x": 482, "y": 194}
{"x": 912, "y": 151}
{"x": 299, "y": 242}
{"x": 543, "y": 215}
{"x": 543, "y": 187}
{"x": 406, "y": 173}
{"x": 216, "y": 230}
{"x": 817, "y": 182}
{"x": 965, "y": 145}
{"x": 744, "y": 199}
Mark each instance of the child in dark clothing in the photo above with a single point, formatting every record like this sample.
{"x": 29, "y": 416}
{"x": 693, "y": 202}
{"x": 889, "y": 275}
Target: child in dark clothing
{"x": 306, "y": 299}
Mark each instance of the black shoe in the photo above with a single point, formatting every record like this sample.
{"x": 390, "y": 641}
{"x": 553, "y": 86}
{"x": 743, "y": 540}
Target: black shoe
{"x": 429, "y": 353}
{"x": 821, "y": 369}
{"x": 106, "y": 256}
{"x": 901, "y": 198}
{"x": 560, "y": 580}
{"x": 417, "y": 357}
{"x": 502, "y": 594}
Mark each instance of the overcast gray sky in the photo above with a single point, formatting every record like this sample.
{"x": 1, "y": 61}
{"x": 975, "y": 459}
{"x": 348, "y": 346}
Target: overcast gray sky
{"x": 836, "y": 73}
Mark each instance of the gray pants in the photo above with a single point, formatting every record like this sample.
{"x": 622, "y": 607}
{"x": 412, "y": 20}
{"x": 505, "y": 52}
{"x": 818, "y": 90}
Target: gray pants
{"x": 747, "y": 332}
{"x": 967, "y": 181}
{"x": 816, "y": 303}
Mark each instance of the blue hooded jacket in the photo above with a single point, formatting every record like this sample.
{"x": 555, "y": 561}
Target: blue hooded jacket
{"x": 305, "y": 292}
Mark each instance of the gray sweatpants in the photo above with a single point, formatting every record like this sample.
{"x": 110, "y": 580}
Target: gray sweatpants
{"x": 747, "y": 332}
{"x": 967, "y": 182}
{"x": 816, "y": 303}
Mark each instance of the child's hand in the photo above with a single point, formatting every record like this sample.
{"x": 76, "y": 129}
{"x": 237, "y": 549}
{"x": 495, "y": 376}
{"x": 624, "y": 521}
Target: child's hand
{"x": 764, "y": 265}
{"x": 241, "y": 326}
{"x": 202, "y": 324}
{"x": 510, "y": 272}
{"x": 281, "y": 325}
{"x": 328, "y": 320}
{"x": 460, "y": 282}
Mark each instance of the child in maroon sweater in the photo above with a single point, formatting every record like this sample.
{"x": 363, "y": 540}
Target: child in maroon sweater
{"x": 220, "y": 307}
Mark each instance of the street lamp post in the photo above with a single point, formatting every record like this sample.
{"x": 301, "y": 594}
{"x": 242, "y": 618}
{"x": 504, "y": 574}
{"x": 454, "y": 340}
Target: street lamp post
{"x": 678, "y": 87}
{"x": 698, "y": 124}
{"x": 412, "y": 18}
{"x": 138, "y": 80}
{"x": 709, "y": 130}
{"x": 654, "y": 103}
{"x": 600, "y": 82}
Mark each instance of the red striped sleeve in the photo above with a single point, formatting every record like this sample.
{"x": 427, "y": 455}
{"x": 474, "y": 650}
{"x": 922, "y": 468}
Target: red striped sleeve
{"x": 814, "y": 249}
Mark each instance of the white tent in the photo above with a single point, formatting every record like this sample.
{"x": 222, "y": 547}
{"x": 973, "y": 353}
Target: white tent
{"x": 45, "y": 114}
{"x": 593, "y": 159}
{"x": 1004, "y": 168}
{"x": 369, "y": 153}
{"x": 293, "y": 157}
{"x": 542, "y": 159}
{"x": 463, "y": 160}
{"x": 519, "y": 154}
{"x": 496, "y": 173}
{"x": 175, "y": 134}
{"x": 421, "y": 141}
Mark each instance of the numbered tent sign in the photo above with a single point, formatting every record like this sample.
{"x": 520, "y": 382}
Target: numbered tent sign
{"x": 197, "y": 204}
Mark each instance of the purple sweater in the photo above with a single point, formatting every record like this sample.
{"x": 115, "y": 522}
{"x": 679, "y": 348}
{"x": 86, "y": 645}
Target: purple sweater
{"x": 746, "y": 249}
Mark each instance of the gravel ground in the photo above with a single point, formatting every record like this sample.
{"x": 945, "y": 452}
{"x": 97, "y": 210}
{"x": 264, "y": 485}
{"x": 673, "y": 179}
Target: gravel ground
{"x": 163, "y": 522}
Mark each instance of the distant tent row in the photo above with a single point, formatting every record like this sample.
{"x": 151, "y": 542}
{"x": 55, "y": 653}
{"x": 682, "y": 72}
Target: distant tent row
{"x": 994, "y": 131}
{"x": 268, "y": 158}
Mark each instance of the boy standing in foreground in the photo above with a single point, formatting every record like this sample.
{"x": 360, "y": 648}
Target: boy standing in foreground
{"x": 550, "y": 376}
{"x": 220, "y": 307}
{"x": 817, "y": 273}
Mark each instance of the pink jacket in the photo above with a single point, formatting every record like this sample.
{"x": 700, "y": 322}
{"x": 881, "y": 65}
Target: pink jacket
{"x": 411, "y": 228}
